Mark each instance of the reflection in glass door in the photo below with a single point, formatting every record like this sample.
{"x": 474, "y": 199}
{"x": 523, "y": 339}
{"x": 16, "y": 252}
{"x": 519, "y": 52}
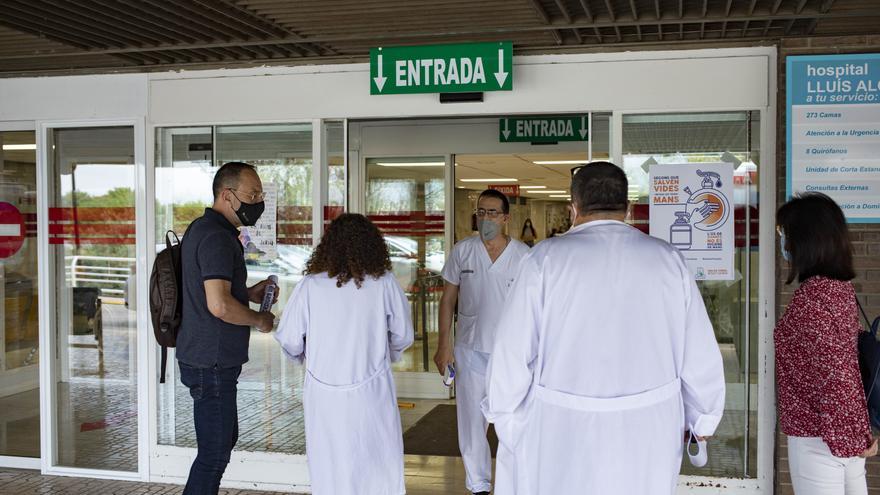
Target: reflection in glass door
{"x": 19, "y": 337}
{"x": 92, "y": 257}
{"x": 731, "y": 137}
{"x": 269, "y": 389}
{"x": 406, "y": 198}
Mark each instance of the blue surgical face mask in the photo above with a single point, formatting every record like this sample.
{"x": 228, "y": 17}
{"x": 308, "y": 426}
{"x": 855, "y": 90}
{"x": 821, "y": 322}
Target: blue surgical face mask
{"x": 785, "y": 254}
{"x": 488, "y": 229}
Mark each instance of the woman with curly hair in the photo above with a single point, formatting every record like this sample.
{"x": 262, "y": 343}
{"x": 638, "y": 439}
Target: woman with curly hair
{"x": 356, "y": 320}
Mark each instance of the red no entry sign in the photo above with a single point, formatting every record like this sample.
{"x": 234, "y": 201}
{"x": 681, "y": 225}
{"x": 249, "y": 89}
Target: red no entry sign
{"x": 11, "y": 230}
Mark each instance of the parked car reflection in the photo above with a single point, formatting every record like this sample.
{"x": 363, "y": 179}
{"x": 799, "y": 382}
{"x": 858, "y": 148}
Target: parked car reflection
{"x": 291, "y": 261}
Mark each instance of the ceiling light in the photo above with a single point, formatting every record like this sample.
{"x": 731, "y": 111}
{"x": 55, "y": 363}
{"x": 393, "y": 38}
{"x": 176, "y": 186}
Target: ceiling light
{"x": 533, "y": 187}
{"x": 19, "y": 147}
{"x": 549, "y": 192}
{"x": 488, "y": 180}
{"x": 561, "y": 162}
{"x": 411, "y": 164}
{"x": 566, "y": 196}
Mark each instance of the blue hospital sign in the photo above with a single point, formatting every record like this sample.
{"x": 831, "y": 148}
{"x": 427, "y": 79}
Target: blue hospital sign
{"x": 833, "y": 131}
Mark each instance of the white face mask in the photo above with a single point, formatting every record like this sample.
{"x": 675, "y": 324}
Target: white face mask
{"x": 701, "y": 457}
{"x": 573, "y": 214}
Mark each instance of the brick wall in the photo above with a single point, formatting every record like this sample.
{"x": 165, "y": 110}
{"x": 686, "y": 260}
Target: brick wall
{"x": 865, "y": 237}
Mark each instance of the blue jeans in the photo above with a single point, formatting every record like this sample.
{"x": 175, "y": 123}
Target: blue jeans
{"x": 215, "y": 414}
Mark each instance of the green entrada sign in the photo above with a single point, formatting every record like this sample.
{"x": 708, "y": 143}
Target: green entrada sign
{"x": 544, "y": 129}
{"x": 456, "y": 68}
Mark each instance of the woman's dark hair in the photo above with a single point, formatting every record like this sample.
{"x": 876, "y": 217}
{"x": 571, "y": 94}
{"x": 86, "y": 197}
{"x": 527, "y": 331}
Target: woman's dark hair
{"x": 816, "y": 237}
{"x": 527, "y": 226}
{"x": 352, "y": 248}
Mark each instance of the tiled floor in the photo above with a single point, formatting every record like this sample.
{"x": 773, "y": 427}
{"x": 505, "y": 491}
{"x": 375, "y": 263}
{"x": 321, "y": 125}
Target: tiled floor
{"x": 19, "y": 482}
{"x": 424, "y": 476}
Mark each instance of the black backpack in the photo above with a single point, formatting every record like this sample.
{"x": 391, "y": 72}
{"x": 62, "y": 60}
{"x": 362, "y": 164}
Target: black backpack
{"x": 869, "y": 365}
{"x": 166, "y": 297}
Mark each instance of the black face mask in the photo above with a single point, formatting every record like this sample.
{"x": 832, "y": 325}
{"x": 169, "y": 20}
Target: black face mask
{"x": 247, "y": 213}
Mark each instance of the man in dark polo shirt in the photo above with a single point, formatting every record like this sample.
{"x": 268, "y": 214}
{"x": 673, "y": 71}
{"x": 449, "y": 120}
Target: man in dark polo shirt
{"x": 216, "y": 320}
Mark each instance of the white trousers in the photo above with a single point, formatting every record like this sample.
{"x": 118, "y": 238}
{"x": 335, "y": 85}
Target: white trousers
{"x": 816, "y": 471}
{"x": 470, "y": 390}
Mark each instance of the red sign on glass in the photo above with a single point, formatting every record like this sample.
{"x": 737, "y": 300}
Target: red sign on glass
{"x": 509, "y": 190}
{"x": 11, "y": 230}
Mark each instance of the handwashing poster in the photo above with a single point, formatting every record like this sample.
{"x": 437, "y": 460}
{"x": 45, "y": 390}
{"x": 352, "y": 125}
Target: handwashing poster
{"x": 690, "y": 207}
{"x": 260, "y": 240}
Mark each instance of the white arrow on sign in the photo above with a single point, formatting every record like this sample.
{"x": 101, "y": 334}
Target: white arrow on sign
{"x": 380, "y": 81}
{"x": 506, "y": 130}
{"x": 583, "y": 127}
{"x": 501, "y": 76}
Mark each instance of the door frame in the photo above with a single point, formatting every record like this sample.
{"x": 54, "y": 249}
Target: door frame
{"x": 48, "y": 364}
{"x": 766, "y": 376}
{"x": 247, "y": 470}
{"x": 409, "y": 384}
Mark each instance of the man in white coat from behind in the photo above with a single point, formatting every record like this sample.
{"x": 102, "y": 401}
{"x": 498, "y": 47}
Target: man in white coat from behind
{"x": 608, "y": 358}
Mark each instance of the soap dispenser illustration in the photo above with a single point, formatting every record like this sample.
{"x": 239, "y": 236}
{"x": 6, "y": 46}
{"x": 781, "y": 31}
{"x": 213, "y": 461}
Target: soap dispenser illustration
{"x": 681, "y": 234}
{"x": 707, "y": 207}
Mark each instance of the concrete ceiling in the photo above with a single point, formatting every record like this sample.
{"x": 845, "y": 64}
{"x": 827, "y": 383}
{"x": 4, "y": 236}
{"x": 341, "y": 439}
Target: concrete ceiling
{"x": 89, "y": 36}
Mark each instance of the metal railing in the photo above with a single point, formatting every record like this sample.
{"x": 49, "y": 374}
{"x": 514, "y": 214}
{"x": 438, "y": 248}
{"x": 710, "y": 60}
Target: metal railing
{"x": 107, "y": 273}
{"x": 425, "y": 305}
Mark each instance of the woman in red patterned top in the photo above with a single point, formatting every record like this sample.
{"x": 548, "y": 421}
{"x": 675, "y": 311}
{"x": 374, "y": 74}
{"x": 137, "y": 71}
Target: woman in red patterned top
{"x": 821, "y": 401}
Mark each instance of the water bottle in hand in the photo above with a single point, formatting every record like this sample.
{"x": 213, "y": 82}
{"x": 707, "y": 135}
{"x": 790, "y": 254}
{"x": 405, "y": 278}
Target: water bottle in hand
{"x": 269, "y": 294}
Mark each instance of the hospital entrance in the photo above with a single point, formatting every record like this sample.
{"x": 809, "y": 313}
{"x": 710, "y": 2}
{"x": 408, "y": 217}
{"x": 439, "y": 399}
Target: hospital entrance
{"x": 419, "y": 181}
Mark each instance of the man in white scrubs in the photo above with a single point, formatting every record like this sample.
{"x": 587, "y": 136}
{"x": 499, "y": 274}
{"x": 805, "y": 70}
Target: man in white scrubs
{"x": 478, "y": 275}
{"x": 608, "y": 357}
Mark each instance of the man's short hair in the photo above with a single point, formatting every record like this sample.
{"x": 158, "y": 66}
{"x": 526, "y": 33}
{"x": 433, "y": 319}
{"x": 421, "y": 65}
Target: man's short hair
{"x": 599, "y": 186}
{"x": 492, "y": 193}
{"x": 228, "y": 176}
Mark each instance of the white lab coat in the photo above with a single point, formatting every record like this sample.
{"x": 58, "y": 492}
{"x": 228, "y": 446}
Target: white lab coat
{"x": 483, "y": 286}
{"x": 349, "y": 337}
{"x": 608, "y": 355}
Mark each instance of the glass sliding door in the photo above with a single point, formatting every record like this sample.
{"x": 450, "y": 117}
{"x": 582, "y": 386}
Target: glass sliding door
{"x": 92, "y": 184}
{"x": 406, "y": 198}
{"x": 731, "y": 137}
{"x": 270, "y": 386}
{"x": 19, "y": 326}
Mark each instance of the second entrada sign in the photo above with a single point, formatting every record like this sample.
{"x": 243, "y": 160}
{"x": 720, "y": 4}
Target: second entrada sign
{"x": 544, "y": 129}
{"x": 456, "y": 68}
{"x": 509, "y": 190}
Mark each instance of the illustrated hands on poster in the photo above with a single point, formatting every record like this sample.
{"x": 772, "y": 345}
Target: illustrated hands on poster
{"x": 703, "y": 211}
